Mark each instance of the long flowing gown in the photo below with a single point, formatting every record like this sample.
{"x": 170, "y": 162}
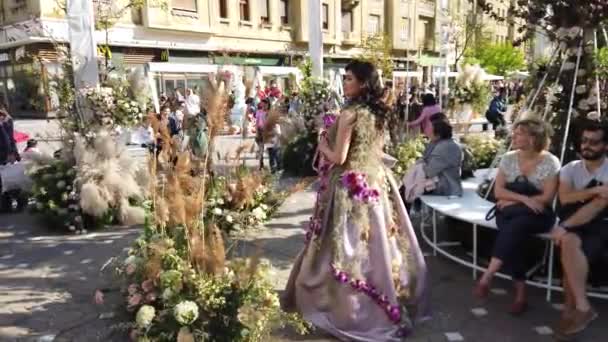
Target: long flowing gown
{"x": 361, "y": 275}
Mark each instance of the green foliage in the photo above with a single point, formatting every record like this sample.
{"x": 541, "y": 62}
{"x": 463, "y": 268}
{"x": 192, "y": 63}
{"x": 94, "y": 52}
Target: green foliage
{"x": 378, "y": 50}
{"x": 601, "y": 62}
{"x": 497, "y": 59}
{"x": 484, "y": 149}
{"x": 407, "y": 153}
{"x": 298, "y": 155}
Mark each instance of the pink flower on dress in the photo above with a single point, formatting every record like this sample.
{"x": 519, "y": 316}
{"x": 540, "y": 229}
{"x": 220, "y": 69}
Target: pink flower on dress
{"x": 329, "y": 120}
{"x": 358, "y": 188}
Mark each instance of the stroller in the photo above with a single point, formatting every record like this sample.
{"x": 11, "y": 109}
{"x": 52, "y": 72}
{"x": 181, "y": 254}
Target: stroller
{"x": 14, "y": 187}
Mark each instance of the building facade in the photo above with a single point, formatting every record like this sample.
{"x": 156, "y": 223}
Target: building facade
{"x": 267, "y": 33}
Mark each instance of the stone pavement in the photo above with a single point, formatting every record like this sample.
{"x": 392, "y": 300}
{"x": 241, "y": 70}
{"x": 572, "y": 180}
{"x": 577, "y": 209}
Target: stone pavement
{"x": 47, "y": 283}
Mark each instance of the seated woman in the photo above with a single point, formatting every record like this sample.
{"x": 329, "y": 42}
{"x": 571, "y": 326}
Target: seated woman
{"x": 438, "y": 172}
{"x": 525, "y": 187}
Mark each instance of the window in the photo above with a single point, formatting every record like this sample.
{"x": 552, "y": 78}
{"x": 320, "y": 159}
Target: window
{"x": 325, "y": 15}
{"x": 186, "y": 5}
{"x": 404, "y": 29}
{"x": 223, "y": 9}
{"x": 244, "y": 10}
{"x": 373, "y": 24}
{"x": 284, "y": 11}
{"x": 347, "y": 21}
{"x": 264, "y": 12}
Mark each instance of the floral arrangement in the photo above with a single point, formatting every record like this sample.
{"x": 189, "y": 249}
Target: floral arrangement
{"x": 470, "y": 89}
{"x": 112, "y": 106}
{"x": 55, "y": 197}
{"x": 242, "y": 201}
{"x": 178, "y": 284}
{"x": 484, "y": 149}
{"x": 407, "y": 153}
{"x": 317, "y": 99}
{"x": 172, "y": 299}
{"x": 94, "y": 185}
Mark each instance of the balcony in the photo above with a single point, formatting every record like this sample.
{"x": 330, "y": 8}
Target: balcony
{"x": 350, "y": 38}
{"x": 349, "y": 4}
{"x": 427, "y": 8}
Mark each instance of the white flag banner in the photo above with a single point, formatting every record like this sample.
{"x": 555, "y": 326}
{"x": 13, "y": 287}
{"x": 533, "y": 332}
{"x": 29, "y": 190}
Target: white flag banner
{"x": 315, "y": 37}
{"x": 83, "y": 49}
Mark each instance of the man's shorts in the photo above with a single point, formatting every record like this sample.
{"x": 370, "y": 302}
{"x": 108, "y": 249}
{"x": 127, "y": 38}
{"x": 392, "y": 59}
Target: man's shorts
{"x": 594, "y": 238}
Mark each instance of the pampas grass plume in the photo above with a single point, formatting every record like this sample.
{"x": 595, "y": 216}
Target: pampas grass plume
{"x": 92, "y": 200}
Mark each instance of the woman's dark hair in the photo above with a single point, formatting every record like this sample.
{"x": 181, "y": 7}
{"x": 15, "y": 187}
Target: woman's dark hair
{"x": 162, "y": 109}
{"x": 267, "y": 102}
{"x": 249, "y": 100}
{"x": 367, "y": 74}
{"x": 442, "y": 129}
{"x": 439, "y": 116}
{"x": 428, "y": 100}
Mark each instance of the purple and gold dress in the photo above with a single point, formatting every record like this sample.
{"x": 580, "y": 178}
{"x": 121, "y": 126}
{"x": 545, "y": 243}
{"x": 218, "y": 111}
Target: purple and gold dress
{"x": 361, "y": 275}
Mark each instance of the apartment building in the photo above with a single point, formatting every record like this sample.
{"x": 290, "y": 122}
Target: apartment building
{"x": 182, "y": 37}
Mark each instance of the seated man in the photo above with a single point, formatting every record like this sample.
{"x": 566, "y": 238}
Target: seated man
{"x": 583, "y": 230}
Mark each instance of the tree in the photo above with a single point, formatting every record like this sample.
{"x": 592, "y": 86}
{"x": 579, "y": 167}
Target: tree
{"x": 498, "y": 59}
{"x": 377, "y": 49}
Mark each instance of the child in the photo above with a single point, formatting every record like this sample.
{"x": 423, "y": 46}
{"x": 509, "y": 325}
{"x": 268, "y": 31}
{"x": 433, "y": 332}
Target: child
{"x": 260, "y": 121}
{"x": 273, "y": 148}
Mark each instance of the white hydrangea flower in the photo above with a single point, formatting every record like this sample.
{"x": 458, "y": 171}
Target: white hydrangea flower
{"x": 258, "y": 213}
{"x": 217, "y": 211}
{"x": 220, "y": 201}
{"x": 593, "y": 116}
{"x": 581, "y": 89}
{"x": 229, "y": 218}
{"x": 145, "y": 315}
{"x": 186, "y": 312}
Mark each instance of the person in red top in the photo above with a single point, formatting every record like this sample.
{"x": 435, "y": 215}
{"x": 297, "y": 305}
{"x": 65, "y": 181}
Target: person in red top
{"x": 260, "y": 94}
{"x": 273, "y": 90}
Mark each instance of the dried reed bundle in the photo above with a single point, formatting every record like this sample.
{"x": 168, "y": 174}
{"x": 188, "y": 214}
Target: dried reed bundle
{"x": 243, "y": 191}
{"x": 274, "y": 118}
{"x": 208, "y": 253}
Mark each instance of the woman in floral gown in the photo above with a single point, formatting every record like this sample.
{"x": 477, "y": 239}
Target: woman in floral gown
{"x": 361, "y": 275}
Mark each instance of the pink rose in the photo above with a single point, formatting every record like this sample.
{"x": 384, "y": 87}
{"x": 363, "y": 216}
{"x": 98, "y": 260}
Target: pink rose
{"x": 134, "y": 301}
{"x": 130, "y": 269}
{"x": 132, "y": 289}
{"x": 147, "y": 285}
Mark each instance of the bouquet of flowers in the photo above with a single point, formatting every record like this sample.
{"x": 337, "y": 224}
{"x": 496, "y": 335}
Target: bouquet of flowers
{"x": 484, "y": 149}
{"x": 470, "y": 89}
{"x": 407, "y": 153}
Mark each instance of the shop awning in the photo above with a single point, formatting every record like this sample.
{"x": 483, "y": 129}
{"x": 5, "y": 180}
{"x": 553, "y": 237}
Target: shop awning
{"x": 411, "y": 74}
{"x": 441, "y": 74}
{"x": 489, "y": 77}
{"x": 182, "y": 68}
{"x": 279, "y": 70}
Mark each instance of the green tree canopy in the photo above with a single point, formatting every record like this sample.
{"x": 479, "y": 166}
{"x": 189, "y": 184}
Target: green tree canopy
{"x": 377, "y": 49}
{"x": 497, "y": 59}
